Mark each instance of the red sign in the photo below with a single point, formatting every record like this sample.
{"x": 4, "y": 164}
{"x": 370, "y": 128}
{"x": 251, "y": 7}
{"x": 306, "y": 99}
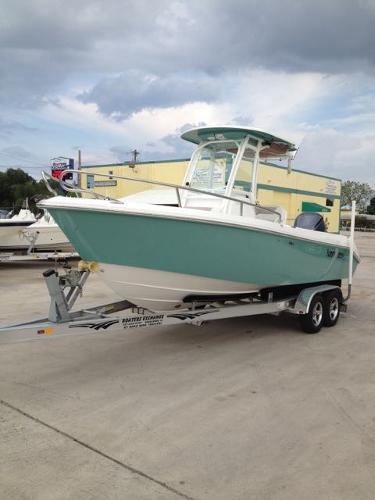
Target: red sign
{"x": 57, "y": 173}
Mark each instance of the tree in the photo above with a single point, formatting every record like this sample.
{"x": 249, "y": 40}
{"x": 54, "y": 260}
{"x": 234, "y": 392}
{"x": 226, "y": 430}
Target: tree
{"x": 371, "y": 207}
{"x": 16, "y": 185}
{"x": 360, "y": 192}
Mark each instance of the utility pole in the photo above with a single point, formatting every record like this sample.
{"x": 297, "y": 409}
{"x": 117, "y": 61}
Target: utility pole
{"x": 135, "y": 153}
{"x": 79, "y": 163}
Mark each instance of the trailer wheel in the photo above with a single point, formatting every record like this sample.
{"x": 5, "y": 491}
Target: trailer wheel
{"x": 332, "y": 303}
{"x": 312, "y": 321}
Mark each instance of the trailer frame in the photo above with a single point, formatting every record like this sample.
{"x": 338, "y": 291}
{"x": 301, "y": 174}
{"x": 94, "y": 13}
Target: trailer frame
{"x": 64, "y": 290}
{"x": 35, "y": 256}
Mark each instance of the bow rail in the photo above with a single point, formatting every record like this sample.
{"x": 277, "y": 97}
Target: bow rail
{"x": 66, "y": 186}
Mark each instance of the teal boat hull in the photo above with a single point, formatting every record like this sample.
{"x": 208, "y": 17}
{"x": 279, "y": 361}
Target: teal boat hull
{"x": 211, "y": 250}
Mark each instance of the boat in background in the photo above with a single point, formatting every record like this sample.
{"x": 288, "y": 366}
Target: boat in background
{"x": 24, "y": 231}
{"x": 11, "y": 229}
{"x": 44, "y": 235}
{"x": 208, "y": 239}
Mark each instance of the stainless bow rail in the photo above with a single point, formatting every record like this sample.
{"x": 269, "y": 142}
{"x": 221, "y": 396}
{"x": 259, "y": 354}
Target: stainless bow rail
{"x": 73, "y": 189}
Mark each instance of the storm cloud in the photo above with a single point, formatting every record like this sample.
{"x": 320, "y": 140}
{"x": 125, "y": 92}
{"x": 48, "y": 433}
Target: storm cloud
{"x": 44, "y": 44}
{"x": 134, "y": 90}
{"x": 119, "y": 74}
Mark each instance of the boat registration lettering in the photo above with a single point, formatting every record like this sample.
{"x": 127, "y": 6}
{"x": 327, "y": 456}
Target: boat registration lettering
{"x": 335, "y": 252}
{"x": 331, "y": 252}
{"x": 137, "y": 322}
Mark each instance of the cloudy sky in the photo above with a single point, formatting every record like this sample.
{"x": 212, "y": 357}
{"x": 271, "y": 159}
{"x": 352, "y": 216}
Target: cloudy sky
{"x": 108, "y": 76}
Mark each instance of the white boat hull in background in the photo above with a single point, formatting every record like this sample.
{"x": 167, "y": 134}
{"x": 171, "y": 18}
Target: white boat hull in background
{"x": 12, "y": 237}
{"x": 157, "y": 290}
{"x": 11, "y": 229}
{"x": 44, "y": 234}
{"x": 46, "y": 237}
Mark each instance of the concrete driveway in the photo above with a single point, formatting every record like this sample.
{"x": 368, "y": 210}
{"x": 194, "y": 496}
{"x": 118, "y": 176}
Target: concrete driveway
{"x": 248, "y": 408}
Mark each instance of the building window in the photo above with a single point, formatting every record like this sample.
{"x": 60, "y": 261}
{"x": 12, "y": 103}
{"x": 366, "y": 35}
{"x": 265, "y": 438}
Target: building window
{"x": 90, "y": 182}
{"x": 329, "y": 202}
{"x": 110, "y": 172}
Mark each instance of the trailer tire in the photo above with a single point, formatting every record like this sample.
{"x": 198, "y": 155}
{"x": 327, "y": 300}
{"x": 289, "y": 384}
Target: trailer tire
{"x": 312, "y": 321}
{"x": 332, "y": 304}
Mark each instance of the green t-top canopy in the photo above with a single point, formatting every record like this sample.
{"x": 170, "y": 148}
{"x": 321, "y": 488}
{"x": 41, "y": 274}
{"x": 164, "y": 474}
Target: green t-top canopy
{"x": 201, "y": 134}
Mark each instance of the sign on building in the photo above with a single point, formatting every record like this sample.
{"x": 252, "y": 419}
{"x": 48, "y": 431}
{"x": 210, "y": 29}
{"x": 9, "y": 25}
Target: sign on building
{"x": 60, "y": 164}
{"x": 105, "y": 183}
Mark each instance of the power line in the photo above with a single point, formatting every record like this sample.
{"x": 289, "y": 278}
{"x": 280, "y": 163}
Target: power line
{"x": 23, "y": 166}
{"x": 15, "y": 157}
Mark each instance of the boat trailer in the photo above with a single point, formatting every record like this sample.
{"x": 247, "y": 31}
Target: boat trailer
{"x": 31, "y": 254}
{"x": 9, "y": 257}
{"x": 317, "y": 306}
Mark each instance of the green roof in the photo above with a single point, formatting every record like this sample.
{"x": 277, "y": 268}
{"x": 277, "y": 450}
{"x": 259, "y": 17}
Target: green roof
{"x": 127, "y": 163}
{"x": 176, "y": 160}
{"x": 299, "y": 170}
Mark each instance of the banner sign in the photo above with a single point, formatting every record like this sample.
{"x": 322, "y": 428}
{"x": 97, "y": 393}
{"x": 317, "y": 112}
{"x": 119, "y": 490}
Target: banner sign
{"x": 60, "y": 164}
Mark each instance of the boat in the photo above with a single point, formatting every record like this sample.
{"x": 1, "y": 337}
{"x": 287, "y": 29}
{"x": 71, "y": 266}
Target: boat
{"x": 172, "y": 246}
{"x": 11, "y": 228}
{"x": 44, "y": 235}
{"x": 24, "y": 232}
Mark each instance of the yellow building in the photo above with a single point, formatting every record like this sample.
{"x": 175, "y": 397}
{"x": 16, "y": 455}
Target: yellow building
{"x": 297, "y": 191}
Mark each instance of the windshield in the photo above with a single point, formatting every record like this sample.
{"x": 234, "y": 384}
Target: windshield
{"x": 213, "y": 166}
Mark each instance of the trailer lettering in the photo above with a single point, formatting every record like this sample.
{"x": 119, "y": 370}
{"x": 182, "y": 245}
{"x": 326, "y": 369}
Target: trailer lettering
{"x": 137, "y": 322}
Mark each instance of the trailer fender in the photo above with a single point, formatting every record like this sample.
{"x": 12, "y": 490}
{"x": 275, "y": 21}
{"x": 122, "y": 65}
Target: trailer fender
{"x": 303, "y": 301}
